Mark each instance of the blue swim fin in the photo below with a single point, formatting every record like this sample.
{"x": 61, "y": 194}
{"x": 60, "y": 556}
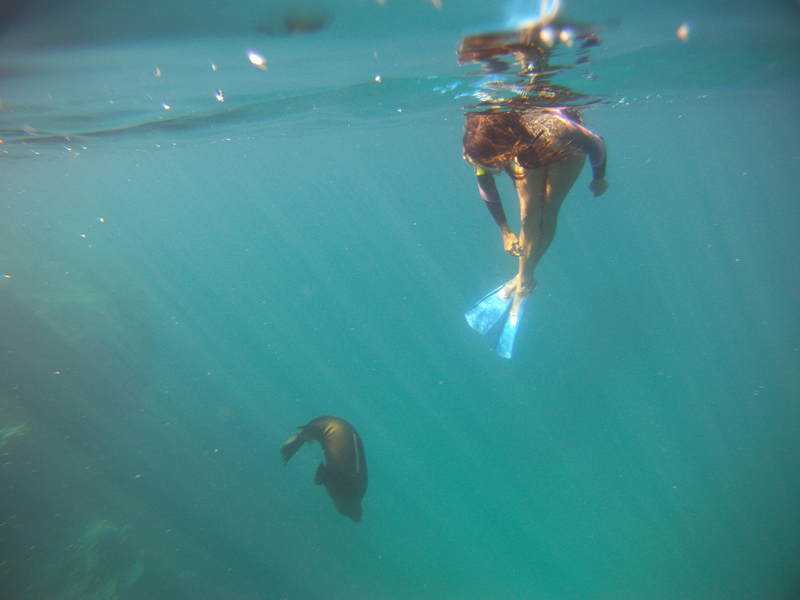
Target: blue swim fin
{"x": 488, "y": 311}
{"x": 505, "y": 341}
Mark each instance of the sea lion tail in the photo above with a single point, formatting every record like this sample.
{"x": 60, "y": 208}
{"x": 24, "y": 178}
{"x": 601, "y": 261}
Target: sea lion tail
{"x": 292, "y": 445}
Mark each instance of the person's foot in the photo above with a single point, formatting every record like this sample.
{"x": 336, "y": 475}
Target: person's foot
{"x": 509, "y": 289}
{"x": 520, "y": 295}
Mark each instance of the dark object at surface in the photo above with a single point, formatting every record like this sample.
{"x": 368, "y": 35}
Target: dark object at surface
{"x": 344, "y": 473}
{"x": 306, "y": 19}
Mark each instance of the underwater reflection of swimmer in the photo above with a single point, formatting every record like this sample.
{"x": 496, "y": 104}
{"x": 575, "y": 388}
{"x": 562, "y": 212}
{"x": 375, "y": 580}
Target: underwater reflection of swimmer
{"x": 344, "y": 473}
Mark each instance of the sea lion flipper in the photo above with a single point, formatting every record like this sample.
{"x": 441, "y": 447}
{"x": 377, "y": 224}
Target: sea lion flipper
{"x": 321, "y": 478}
{"x": 292, "y": 445}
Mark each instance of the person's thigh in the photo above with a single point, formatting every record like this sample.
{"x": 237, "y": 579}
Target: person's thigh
{"x": 561, "y": 176}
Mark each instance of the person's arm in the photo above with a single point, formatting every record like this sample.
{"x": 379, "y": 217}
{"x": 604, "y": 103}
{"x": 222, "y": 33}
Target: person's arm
{"x": 593, "y": 145}
{"x": 490, "y": 195}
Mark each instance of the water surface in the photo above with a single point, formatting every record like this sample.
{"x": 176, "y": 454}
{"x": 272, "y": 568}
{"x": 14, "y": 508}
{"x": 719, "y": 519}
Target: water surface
{"x": 187, "y": 280}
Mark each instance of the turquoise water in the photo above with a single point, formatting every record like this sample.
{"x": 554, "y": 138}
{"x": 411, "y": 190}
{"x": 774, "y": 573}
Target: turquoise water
{"x": 185, "y": 286}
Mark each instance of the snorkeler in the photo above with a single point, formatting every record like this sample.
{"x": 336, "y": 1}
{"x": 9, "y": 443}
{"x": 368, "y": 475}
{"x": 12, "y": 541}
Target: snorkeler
{"x": 543, "y": 150}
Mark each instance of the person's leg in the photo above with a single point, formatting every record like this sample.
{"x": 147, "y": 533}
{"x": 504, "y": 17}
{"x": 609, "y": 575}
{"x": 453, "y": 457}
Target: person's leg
{"x": 561, "y": 176}
{"x": 541, "y": 193}
{"x": 531, "y": 190}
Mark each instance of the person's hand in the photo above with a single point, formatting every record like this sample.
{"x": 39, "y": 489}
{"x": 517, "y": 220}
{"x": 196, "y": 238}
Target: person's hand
{"x": 511, "y": 243}
{"x": 598, "y": 186}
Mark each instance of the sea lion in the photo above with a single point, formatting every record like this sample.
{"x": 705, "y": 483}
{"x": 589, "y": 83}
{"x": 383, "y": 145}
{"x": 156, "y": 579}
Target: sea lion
{"x": 344, "y": 472}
